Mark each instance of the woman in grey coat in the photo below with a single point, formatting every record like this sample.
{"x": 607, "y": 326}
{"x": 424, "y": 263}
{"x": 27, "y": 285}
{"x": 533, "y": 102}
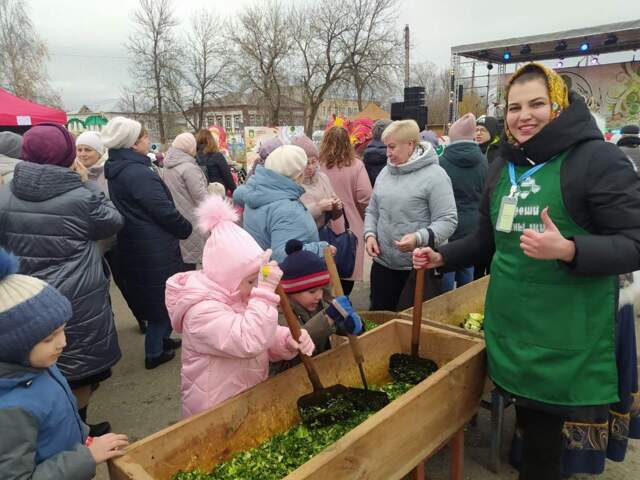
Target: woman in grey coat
{"x": 52, "y": 221}
{"x": 412, "y": 205}
{"x": 188, "y": 187}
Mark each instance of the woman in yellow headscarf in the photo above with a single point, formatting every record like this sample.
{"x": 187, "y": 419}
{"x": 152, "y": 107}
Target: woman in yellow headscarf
{"x": 561, "y": 217}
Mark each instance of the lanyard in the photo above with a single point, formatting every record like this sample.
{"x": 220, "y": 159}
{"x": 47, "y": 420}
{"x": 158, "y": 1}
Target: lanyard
{"x": 512, "y": 172}
{"x": 512, "y": 175}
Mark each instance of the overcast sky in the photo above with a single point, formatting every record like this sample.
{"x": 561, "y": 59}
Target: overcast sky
{"x": 89, "y": 62}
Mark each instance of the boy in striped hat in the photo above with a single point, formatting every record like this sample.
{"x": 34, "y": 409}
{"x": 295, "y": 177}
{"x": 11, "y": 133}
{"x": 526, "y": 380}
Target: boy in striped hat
{"x": 305, "y": 279}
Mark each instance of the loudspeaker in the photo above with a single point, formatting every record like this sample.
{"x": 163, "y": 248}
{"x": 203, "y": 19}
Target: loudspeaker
{"x": 397, "y": 111}
{"x": 414, "y": 96}
{"x": 419, "y": 114}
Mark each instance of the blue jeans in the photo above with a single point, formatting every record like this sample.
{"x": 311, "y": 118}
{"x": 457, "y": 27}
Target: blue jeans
{"x": 157, "y": 331}
{"x": 460, "y": 277}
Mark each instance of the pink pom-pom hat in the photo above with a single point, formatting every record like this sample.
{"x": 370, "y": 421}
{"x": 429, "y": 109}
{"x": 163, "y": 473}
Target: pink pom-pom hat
{"x": 230, "y": 253}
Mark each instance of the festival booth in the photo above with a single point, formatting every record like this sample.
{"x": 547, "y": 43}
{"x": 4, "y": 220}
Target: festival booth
{"x": 18, "y": 114}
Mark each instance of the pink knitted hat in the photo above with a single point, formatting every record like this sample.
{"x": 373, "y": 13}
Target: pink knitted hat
{"x": 464, "y": 128}
{"x": 307, "y": 145}
{"x": 185, "y": 142}
{"x": 230, "y": 253}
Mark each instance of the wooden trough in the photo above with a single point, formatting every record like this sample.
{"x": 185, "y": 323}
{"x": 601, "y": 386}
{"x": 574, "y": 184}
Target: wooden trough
{"x": 449, "y": 309}
{"x": 386, "y": 446}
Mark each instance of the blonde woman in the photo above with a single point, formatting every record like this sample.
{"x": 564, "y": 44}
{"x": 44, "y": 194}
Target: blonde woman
{"x": 412, "y": 206}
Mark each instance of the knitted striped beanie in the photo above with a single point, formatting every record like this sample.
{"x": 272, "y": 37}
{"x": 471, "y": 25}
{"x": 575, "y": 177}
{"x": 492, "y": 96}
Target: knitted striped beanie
{"x": 30, "y": 310}
{"x": 302, "y": 270}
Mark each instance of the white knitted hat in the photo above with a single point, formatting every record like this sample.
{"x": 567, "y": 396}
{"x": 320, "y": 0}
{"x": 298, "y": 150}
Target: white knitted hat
{"x": 121, "y": 132}
{"x": 91, "y": 139}
{"x": 287, "y": 160}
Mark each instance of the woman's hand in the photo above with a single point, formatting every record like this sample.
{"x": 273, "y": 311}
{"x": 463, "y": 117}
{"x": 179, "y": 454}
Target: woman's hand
{"x": 407, "y": 243}
{"x": 337, "y": 204}
{"x": 548, "y": 245}
{"x": 426, "y": 258}
{"x": 107, "y": 446}
{"x": 326, "y": 204}
{"x": 372, "y": 246}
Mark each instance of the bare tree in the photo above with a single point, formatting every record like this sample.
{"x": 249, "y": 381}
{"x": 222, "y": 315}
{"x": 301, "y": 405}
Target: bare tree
{"x": 155, "y": 53}
{"x": 23, "y": 55}
{"x": 262, "y": 37}
{"x": 205, "y": 67}
{"x": 323, "y": 61}
{"x": 373, "y": 46}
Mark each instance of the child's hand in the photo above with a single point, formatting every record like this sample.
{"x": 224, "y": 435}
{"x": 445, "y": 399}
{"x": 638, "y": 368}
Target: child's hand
{"x": 346, "y": 320}
{"x": 269, "y": 276}
{"x": 108, "y": 446}
{"x": 304, "y": 344}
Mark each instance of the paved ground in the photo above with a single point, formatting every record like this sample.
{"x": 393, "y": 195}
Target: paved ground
{"x": 139, "y": 402}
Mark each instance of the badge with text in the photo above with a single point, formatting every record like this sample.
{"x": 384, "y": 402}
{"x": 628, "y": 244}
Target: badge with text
{"x": 507, "y": 212}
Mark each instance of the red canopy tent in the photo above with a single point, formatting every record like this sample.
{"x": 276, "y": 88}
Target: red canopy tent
{"x": 16, "y": 111}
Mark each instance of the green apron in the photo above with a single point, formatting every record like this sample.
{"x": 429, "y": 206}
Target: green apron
{"x": 549, "y": 334}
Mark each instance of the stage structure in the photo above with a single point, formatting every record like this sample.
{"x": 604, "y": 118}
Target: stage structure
{"x": 496, "y": 56}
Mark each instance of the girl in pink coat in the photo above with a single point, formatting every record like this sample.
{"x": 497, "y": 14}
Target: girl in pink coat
{"x": 227, "y": 314}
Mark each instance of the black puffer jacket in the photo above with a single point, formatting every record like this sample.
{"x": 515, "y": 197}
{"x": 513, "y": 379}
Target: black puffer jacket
{"x": 467, "y": 168}
{"x": 216, "y": 169}
{"x": 375, "y": 159}
{"x": 599, "y": 188}
{"x": 630, "y": 145}
{"x": 52, "y": 221}
{"x": 149, "y": 242}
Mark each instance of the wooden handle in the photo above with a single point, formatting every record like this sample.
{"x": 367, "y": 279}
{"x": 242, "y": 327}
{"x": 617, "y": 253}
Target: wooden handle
{"x": 294, "y": 328}
{"x": 336, "y": 286}
{"x": 417, "y": 312}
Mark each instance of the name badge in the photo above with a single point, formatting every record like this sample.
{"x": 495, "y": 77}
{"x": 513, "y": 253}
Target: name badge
{"x": 507, "y": 212}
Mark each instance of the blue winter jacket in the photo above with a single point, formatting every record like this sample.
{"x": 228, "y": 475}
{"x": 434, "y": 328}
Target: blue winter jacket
{"x": 42, "y": 434}
{"x": 274, "y": 214}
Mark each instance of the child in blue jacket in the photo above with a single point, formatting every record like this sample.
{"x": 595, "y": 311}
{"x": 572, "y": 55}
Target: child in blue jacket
{"x": 42, "y": 435}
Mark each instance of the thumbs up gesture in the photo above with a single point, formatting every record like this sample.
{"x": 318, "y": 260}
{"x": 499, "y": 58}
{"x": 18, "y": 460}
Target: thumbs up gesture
{"x": 548, "y": 245}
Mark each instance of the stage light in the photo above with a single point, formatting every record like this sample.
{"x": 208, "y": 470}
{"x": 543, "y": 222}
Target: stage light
{"x": 560, "y": 63}
{"x": 595, "y": 61}
{"x": 489, "y": 66}
{"x": 561, "y": 46}
{"x": 526, "y": 50}
{"x": 506, "y": 55}
{"x": 584, "y": 46}
{"x": 612, "y": 39}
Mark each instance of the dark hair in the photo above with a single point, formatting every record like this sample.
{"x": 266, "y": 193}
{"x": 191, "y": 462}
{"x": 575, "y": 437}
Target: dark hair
{"x": 526, "y": 74}
{"x": 336, "y": 149}
{"x": 206, "y": 142}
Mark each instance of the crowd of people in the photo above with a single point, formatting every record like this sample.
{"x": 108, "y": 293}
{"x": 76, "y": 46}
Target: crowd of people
{"x": 544, "y": 203}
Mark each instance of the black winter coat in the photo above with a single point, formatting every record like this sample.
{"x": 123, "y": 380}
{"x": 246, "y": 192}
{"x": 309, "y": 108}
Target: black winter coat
{"x": 216, "y": 169}
{"x": 467, "y": 168}
{"x": 52, "y": 222}
{"x": 149, "y": 242}
{"x": 600, "y": 191}
{"x": 375, "y": 159}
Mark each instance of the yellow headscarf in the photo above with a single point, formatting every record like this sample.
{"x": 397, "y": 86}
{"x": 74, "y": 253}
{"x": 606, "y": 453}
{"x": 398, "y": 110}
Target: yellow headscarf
{"x": 556, "y": 87}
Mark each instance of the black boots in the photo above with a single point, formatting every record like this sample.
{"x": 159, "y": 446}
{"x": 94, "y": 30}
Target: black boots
{"x": 164, "y": 357}
{"x": 96, "y": 430}
{"x": 171, "y": 343}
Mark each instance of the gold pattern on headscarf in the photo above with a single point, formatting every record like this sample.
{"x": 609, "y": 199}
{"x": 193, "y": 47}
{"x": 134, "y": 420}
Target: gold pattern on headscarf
{"x": 556, "y": 87}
